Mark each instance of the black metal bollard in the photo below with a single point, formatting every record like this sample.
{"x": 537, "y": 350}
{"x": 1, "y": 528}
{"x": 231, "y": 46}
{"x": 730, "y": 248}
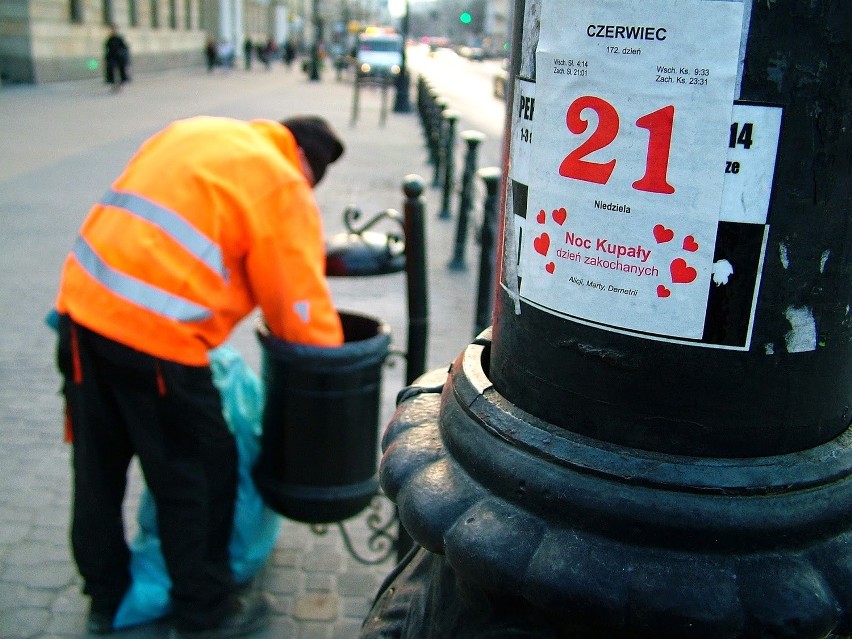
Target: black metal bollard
{"x": 423, "y": 99}
{"x": 488, "y": 245}
{"x": 415, "y": 269}
{"x": 315, "y": 62}
{"x": 450, "y": 118}
{"x": 433, "y": 126}
{"x": 438, "y": 134}
{"x": 418, "y": 302}
{"x": 430, "y": 122}
{"x": 472, "y": 139}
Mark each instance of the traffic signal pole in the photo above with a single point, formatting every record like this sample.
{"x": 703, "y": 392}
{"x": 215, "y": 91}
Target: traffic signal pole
{"x": 653, "y": 439}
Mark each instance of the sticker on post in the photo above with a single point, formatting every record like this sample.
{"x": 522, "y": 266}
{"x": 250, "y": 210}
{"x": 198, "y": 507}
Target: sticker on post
{"x": 633, "y": 107}
{"x": 750, "y": 164}
{"x": 523, "y": 110}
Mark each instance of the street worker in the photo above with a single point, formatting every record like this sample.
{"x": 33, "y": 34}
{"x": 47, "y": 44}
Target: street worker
{"x": 211, "y": 218}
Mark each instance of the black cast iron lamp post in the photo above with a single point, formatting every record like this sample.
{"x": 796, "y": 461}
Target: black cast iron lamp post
{"x": 653, "y": 439}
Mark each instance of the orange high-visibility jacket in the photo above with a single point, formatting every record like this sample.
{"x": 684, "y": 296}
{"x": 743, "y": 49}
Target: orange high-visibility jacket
{"x": 211, "y": 218}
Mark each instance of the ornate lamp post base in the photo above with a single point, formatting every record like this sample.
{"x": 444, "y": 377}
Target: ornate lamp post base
{"x": 583, "y": 538}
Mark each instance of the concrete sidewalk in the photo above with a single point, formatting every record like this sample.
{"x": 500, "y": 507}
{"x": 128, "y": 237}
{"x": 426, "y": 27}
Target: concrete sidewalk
{"x": 61, "y": 146}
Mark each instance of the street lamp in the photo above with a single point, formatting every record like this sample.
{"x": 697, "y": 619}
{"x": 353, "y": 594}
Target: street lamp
{"x": 402, "y": 104}
{"x": 315, "y": 48}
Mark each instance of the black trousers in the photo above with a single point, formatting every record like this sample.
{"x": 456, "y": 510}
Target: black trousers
{"x": 122, "y": 403}
{"x": 116, "y": 71}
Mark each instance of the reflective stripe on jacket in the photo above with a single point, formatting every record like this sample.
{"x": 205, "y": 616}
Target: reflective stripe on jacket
{"x": 211, "y": 218}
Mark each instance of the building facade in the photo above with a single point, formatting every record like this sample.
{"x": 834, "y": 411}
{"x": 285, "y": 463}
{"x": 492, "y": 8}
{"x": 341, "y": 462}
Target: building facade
{"x": 54, "y": 40}
{"x": 51, "y": 40}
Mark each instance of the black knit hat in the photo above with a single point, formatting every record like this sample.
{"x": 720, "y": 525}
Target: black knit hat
{"x": 318, "y": 141}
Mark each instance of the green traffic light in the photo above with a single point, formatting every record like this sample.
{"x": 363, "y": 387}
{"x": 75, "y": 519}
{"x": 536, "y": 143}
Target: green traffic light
{"x": 465, "y": 18}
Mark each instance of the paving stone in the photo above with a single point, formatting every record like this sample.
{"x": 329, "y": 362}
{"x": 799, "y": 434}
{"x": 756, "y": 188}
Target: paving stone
{"x": 67, "y": 625}
{"x": 49, "y": 575}
{"x": 54, "y": 518}
{"x": 346, "y": 630}
{"x": 24, "y": 623}
{"x": 326, "y": 560}
{"x": 29, "y": 554}
{"x": 317, "y": 607}
{"x": 283, "y": 582}
{"x": 286, "y": 557}
{"x": 57, "y": 537}
{"x": 322, "y": 582}
{"x": 280, "y": 628}
{"x": 360, "y": 583}
{"x": 14, "y": 532}
{"x": 15, "y": 516}
{"x": 314, "y": 631}
{"x": 18, "y": 596}
{"x": 69, "y": 600}
{"x": 355, "y": 607}
{"x": 282, "y": 605}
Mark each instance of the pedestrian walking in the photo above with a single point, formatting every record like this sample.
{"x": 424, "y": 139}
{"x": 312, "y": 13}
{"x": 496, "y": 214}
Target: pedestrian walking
{"x": 289, "y": 53}
{"x": 211, "y": 218}
{"x": 117, "y": 59}
{"x": 210, "y": 53}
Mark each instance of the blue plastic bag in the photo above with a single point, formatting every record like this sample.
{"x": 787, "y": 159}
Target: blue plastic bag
{"x": 256, "y": 526}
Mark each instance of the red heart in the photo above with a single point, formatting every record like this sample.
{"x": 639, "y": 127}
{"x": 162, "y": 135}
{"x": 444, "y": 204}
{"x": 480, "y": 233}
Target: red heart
{"x": 559, "y": 216}
{"x": 662, "y": 234}
{"x": 542, "y": 244}
{"x": 662, "y": 291}
{"x": 540, "y": 218}
{"x": 550, "y": 267}
{"x": 689, "y": 244}
{"x": 681, "y": 272}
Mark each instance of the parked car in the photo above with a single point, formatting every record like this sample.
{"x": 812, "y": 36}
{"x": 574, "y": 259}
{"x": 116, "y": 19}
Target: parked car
{"x": 472, "y": 53}
{"x": 379, "y": 55}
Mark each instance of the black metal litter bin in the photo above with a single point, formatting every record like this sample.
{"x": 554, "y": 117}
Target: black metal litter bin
{"x": 319, "y": 452}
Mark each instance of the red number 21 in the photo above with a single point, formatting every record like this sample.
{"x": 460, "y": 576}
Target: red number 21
{"x": 659, "y": 125}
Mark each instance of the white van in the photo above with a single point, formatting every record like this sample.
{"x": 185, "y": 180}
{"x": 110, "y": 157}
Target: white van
{"x": 379, "y": 55}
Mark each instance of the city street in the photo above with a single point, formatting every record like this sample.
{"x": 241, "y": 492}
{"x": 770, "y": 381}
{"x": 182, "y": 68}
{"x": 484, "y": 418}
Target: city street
{"x": 467, "y": 85}
{"x": 62, "y": 145}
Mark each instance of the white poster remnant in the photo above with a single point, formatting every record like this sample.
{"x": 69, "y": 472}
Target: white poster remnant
{"x": 633, "y": 106}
